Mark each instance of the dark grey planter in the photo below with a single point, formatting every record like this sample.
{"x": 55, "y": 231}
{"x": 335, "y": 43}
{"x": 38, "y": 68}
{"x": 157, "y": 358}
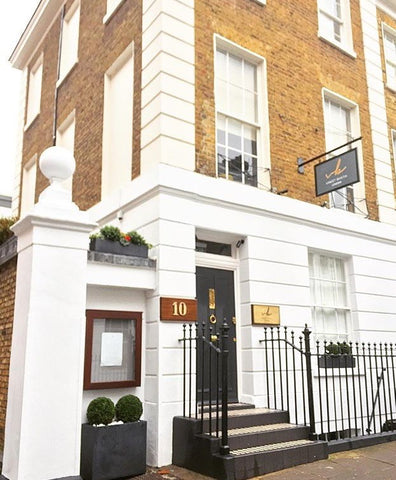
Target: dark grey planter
{"x": 114, "y": 451}
{"x": 337, "y": 361}
{"x": 108, "y": 246}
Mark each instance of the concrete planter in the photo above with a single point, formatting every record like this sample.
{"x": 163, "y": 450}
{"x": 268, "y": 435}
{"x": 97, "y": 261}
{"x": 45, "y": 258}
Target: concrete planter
{"x": 108, "y": 246}
{"x": 114, "y": 451}
{"x": 337, "y": 361}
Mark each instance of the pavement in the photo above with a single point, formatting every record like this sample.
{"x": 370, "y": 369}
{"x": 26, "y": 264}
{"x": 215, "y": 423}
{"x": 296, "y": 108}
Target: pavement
{"x": 371, "y": 463}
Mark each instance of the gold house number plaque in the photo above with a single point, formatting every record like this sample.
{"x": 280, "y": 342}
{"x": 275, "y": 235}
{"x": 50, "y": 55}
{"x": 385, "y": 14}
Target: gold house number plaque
{"x": 178, "y": 309}
{"x": 265, "y": 315}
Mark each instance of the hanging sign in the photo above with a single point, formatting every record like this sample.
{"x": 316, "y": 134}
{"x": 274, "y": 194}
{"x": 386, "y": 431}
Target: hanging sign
{"x": 337, "y": 172}
{"x": 178, "y": 309}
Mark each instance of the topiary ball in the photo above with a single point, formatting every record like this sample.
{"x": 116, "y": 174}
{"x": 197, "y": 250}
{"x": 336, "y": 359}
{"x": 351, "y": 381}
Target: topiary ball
{"x": 128, "y": 409}
{"x": 100, "y": 410}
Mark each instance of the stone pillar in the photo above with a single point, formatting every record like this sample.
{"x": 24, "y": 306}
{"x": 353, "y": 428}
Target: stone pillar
{"x": 43, "y": 423}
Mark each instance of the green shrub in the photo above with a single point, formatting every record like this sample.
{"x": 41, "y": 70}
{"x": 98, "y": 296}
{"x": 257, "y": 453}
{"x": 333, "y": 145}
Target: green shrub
{"x": 100, "y": 410}
{"x": 128, "y": 409}
{"x": 5, "y": 224}
{"x": 111, "y": 233}
{"x": 136, "y": 239}
{"x": 338, "y": 348}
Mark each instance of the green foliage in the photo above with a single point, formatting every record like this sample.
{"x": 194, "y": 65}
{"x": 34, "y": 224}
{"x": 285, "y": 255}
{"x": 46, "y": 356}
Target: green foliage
{"x": 100, "y": 410}
{"x": 128, "y": 409}
{"x": 338, "y": 348}
{"x": 110, "y": 233}
{"x": 136, "y": 238}
{"x": 5, "y": 224}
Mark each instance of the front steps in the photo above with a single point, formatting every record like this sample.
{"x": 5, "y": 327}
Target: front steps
{"x": 260, "y": 440}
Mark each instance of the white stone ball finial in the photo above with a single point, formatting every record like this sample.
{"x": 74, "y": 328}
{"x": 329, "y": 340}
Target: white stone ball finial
{"x": 57, "y": 164}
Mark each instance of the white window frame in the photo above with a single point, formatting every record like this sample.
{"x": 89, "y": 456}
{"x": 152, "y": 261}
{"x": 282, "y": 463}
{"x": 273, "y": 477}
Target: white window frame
{"x": 262, "y": 125}
{"x": 346, "y": 42}
{"x": 325, "y": 335}
{"x": 107, "y": 161}
{"x": 358, "y": 188}
{"x": 69, "y": 43}
{"x": 112, "y": 7}
{"x": 33, "y": 104}
{"x": 29, "y": 178}
{"x": 387, "y": 30}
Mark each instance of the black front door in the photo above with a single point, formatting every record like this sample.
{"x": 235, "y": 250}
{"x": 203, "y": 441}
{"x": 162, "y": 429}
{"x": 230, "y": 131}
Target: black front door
{"x": 216, "y": 303}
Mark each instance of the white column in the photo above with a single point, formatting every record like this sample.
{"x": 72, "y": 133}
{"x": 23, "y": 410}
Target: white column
{"x": 378, "y": 116}
{"x": 168, "y": 84}
{"x": 43, "y": 423}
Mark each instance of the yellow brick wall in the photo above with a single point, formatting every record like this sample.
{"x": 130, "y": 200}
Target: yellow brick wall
{"x": 99, "y": 46}
{"x": 7, "y": 298}
{"x": 299, "y": 65}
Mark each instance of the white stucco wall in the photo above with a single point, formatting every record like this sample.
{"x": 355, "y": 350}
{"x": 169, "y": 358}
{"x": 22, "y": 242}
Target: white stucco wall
{"x": 171, "y": 205}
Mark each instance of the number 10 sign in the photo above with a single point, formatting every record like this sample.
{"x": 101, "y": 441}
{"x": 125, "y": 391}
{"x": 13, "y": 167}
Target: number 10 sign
{"x": 178, "y": 309}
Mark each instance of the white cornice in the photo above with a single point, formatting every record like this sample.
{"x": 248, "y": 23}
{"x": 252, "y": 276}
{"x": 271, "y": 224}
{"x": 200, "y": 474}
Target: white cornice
{"x": 42, "y": 19}
{"x": 388, "y": 6}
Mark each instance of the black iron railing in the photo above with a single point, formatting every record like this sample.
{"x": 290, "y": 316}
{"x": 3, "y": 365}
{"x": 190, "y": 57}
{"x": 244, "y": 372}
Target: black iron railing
{"x": 340, "y": 390}
{"x": 205, "y": 379}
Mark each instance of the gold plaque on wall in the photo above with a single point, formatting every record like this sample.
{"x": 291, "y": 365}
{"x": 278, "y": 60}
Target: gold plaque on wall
{"x": 265, "y": 315}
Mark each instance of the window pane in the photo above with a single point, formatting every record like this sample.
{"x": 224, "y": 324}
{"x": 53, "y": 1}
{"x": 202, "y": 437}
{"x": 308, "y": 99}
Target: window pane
{"x": 251, "y": 107}
{"x": 234, "y": 134}
{"x": 221, "y": 161}
{"x": 236, "y": 101}
{"x": 249, "y": 141}
{"x": 221, "y": 64}
{"x": 221, "y": 95}
{"x": 328, "y": 296}
{"x": 250, "y": 77}
{"x": 250, "y": 165}
{"x": 235, "y": 70}
{"x": 221, "y": 127}
{"x": 235, "y": 165}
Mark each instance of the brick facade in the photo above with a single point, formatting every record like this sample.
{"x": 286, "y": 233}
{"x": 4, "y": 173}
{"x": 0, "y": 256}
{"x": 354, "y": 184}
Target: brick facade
{"x": 299, "y": 65}
{"x": 99, "y": 46}
{"x": 7, "y": 299}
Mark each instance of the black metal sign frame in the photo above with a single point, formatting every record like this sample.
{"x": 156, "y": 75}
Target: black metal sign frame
{"x": 338, "y": 172}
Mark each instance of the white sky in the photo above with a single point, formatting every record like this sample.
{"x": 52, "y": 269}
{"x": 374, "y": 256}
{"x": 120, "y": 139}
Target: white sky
{"x": 13, "y": 21}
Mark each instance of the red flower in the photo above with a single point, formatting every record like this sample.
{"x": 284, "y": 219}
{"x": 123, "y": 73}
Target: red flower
{"x": 127, "y": 238}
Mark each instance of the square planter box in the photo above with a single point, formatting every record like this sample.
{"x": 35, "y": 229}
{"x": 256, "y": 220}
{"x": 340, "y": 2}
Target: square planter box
{"x": 108, "y": 246}
{"x": 337, "y": 361}
{"x": 114, "y": 451}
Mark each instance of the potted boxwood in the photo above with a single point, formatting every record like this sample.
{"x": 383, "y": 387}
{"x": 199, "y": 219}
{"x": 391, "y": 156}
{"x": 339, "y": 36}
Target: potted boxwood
{"x": 337, "y": 355}
{"x": 113, "y": 450}
{"x": 110, "y": 239}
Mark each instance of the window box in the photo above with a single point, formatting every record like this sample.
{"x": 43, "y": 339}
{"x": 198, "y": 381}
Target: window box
{"x": 113, "y": 451}
{"x": 337, "y": 361}
{"x": 108, "y": 246}
{"x": 112, "y": 349}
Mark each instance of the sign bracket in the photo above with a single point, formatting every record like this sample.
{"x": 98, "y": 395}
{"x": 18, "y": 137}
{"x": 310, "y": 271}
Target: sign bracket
{"x": 301, "y": 162}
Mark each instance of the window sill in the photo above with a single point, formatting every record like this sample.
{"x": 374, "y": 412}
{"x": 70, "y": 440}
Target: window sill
{"x": 109, "y": 15}
{"x": 30, "y": 122}
{"x": 343, "y": 48}
{"x": 62, "y": 79}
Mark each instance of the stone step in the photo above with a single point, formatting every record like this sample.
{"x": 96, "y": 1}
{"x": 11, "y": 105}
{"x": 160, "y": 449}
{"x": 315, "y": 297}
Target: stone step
{"x": 249, "y": 417}
{"x": 231, "y": 406}
{"x": 250, "y": 462}
{"x": 246, "y": 437}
